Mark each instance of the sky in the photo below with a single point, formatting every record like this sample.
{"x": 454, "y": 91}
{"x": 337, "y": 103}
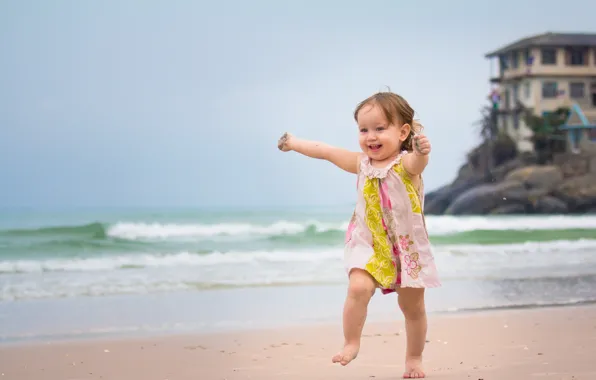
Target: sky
{"x": 180, "y": 103}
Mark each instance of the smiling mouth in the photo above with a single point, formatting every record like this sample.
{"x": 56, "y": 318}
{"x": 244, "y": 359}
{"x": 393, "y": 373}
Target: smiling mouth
{"x": 374, "y": 148}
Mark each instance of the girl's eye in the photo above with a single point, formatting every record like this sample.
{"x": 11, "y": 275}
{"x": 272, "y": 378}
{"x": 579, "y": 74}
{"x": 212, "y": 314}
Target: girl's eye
{"x": 363, "y": 130}
{"x": 379, "y": 129}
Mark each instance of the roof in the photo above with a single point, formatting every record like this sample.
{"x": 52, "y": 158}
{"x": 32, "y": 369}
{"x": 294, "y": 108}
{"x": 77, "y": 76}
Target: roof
{"x": 578, "y": 119}
{"x": 548, "y": 39}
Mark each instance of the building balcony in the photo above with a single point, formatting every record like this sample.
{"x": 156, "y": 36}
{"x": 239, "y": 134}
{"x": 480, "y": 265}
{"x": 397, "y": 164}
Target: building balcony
{"x": 548, "y": 71}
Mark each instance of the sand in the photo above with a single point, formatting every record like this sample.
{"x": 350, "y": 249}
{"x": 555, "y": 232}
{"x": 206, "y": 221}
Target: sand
{"x": 548, "y": 343}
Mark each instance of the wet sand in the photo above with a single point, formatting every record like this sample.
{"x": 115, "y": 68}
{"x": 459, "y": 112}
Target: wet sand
{"x": 548, "y": 343}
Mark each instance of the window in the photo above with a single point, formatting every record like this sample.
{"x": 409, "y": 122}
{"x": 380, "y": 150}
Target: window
{"x": 592, "y": 134}
{"x": 527, "y": 90}
{"x": 516, "y": 121}
{"x": 514, "y": 60}
{"x": 577, "y": 90}
{"x": 527, "y": 57}
{"x": 503, "y": 61}
{"x": 576, "y": 56}
{"x": 549, "y": 90}
{"x": 549, "y": 56}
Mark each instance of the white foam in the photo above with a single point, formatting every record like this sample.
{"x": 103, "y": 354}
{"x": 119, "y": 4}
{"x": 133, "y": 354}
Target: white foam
{"x": 138, "y": 231}
{"x": 544, "y": 252}
{"x": 437, "y": 225}
{"x": 146, "y": 260}
{"x": 443, "y": 225}
{"x": 151, "y": 272}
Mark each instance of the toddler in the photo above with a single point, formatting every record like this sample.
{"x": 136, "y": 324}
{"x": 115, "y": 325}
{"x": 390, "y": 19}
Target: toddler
{"x": 386, "y": 243}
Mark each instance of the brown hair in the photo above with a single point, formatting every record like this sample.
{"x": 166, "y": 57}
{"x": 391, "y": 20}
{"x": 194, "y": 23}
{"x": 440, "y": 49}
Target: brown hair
{"x": 396, "y": 109}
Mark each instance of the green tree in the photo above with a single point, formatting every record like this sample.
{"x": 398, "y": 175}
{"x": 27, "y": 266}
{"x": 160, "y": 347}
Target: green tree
{"x": 547, "y": 138}
{"x": 496, "y": 147}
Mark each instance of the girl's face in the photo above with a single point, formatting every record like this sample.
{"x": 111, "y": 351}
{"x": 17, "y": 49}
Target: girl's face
{"x": 378, "y": 139}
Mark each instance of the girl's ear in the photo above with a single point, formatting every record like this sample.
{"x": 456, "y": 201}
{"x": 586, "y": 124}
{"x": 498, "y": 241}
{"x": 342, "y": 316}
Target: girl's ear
{"x": 404, "y": 132}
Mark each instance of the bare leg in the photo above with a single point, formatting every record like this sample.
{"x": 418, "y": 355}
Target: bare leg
{"x": 360, "y": 290}
{"x": 411, "y": 303}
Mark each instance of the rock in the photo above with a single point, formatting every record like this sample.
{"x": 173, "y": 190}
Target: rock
{"x": 437, "y": 202}
{"x": 542, "y": 177}
{"x": 550, "y": 205}
{"x": 513, "y": 208}
{"x": 572, "y": 165}
{"x": 464, "y": 173}
{"x": 519, "y": 185}
{"x": 528, "y": 158}
{"x": 579, "y": 193}
{"x": 498, "y": 174}
{"x": 438, "y": 193}
{"x": 484, "y": 198}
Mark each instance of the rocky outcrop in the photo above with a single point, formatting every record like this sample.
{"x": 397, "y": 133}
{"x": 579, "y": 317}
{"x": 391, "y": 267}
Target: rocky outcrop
{"x": 579, "y": 193}
{"x": 537, "y": 177}
{"x": 485, "y": 198}
{"x": 520, "y": 186}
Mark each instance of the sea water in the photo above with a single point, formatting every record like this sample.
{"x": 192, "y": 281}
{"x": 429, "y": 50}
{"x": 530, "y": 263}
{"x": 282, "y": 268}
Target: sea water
{"x": 98, "y": 272}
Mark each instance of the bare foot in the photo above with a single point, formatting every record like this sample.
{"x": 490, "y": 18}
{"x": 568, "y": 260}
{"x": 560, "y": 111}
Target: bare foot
{"x": 346, "y": 355}
{"x": 414, "y": 368}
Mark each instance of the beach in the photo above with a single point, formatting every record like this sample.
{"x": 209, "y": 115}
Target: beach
{"x": 544, "y": 343}
{"x": 176, "y": 294}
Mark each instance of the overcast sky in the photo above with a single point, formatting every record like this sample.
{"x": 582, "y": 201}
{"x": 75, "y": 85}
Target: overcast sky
{"x": 181, "y": 103}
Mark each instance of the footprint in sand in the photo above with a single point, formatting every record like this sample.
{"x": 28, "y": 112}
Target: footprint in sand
{"x": 195, "y": 347}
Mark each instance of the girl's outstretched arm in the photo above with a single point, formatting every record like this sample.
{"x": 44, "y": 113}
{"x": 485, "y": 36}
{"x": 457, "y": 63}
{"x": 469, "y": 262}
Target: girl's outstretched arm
{"x": 342, "y": 158}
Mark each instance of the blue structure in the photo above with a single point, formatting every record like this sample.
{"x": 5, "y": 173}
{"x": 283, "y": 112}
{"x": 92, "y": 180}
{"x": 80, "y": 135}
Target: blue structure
{"x": 580, "y": 131}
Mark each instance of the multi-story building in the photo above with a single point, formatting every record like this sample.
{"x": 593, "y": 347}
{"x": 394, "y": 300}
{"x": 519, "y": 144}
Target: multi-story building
{"x": 543, "y": 73}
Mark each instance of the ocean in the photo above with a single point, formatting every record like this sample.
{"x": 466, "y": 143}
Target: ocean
{"x": 112, "y": 272}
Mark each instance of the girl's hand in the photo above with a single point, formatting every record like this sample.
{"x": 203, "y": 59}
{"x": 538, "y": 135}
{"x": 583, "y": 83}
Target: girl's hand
{"x": 421, "y": 145}
{"x": 342, "y": 158}
{"x": 283, "y": 143}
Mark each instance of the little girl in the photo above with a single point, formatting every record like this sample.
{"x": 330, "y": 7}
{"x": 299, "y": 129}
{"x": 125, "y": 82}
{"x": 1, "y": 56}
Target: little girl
{"x": 386, "y": 243}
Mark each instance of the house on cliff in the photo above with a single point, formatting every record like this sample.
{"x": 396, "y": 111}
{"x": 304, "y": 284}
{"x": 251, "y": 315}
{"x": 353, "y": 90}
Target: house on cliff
{"x": 542, "y": 73}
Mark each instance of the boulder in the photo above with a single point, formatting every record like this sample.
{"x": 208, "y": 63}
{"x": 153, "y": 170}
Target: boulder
{"x": 499, "y": 173}
{"x": 541, "y": 177}
{"x": 572, "y": 165}
{"x": 438, "y": 193}
{"x": 578, "y": 192}
{"x": 550, "y": 205}
{"x": 513, "y": 208}
{"x": 465, "y": 172}
{"x": 484, "y": 198}
{"x": 437, "y": 202}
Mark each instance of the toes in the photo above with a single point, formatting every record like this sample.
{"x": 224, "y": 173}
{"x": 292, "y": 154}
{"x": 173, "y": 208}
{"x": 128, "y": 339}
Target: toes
{"x": 414, "y": 375}
{"x": 341, "y": 359}
{"x": 345, "y": 360}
